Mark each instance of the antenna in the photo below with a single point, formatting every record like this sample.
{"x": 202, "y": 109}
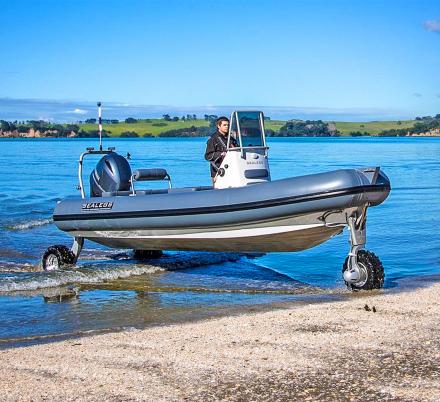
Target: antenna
{"x": 100, "y": 125}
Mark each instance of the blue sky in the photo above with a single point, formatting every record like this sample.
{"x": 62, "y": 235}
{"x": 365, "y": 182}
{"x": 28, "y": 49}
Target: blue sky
{"x": 380, "y": 57}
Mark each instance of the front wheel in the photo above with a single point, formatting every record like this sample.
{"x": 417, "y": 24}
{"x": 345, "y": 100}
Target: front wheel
{"x": 57, "y": 257}
{"x": 373, "y": 269}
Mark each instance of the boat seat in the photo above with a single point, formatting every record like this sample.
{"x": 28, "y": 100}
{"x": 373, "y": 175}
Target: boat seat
{"x": 150, "y": 174}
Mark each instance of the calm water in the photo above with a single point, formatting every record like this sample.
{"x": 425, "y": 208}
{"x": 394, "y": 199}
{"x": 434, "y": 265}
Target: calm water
{"x": 110, "y": 290}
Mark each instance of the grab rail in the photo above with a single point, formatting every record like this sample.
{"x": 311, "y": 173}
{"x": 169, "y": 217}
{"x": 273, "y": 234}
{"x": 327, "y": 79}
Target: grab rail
{"x": 90, "y": 151}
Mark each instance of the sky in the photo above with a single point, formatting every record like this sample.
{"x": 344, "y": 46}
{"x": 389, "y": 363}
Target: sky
{"x": 379, "y": 59}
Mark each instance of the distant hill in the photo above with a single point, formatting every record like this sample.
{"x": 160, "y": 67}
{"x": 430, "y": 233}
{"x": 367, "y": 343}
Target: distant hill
{"x": 190, "y": 126}
{"x": 372, "y": 127}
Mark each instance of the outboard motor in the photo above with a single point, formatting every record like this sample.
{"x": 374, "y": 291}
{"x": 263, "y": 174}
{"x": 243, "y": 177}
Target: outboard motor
{"x": 112, "y": 173}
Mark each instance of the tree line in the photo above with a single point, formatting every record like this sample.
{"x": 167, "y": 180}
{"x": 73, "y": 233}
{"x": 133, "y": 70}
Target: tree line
{"x": 291, "y": 128}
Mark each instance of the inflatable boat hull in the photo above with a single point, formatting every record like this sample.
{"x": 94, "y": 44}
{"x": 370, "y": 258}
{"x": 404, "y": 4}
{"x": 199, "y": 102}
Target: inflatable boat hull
{"x": 283, "y": 215}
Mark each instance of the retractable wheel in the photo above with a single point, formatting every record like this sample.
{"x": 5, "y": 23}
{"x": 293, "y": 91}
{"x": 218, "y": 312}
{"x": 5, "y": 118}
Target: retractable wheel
{"x": 57, "y": 257}
{"x": 372, "y": 271}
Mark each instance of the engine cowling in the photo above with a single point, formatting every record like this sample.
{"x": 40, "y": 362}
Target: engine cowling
{"x": 112, "y": 173}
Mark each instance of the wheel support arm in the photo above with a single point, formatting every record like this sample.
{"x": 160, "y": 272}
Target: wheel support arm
{"x": 78, "y": 243}
{"x": 358, "y": 238}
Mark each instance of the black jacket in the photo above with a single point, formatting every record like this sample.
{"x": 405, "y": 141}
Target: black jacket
{"x": 215, "y": 146}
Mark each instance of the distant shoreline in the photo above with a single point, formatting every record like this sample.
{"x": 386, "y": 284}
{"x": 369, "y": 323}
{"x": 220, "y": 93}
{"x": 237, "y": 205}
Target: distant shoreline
{"x": 206, "y": 137}
{"x": 191, "y": 126}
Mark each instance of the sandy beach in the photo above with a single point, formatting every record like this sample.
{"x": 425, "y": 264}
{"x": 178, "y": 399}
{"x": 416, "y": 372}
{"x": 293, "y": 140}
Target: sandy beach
{"x": 380, "y": 346}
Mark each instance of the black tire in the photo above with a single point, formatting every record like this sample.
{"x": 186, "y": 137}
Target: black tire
{"x": 57, "y": 257}
{"x": 142, "y": 255}
{"x": 374, "y": 269}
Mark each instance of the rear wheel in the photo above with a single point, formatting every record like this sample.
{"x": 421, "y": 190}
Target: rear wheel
{"x": 57, "y": 257}
{"x": 373, "y": 269}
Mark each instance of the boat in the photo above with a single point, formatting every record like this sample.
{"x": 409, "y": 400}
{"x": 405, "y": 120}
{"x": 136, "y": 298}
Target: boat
{"x": 244, "y": 211}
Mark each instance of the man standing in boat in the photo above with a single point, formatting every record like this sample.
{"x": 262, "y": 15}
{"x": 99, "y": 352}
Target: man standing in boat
{"x": 216, "y": 146}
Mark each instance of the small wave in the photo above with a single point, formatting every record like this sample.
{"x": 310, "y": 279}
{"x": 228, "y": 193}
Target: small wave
{"x": 30, "y": 224}
{"x": 6, "y": 252}
{"x": 98, "y": 273}
{"x": 15, "y": 267}
{"x": 83, "y": 275}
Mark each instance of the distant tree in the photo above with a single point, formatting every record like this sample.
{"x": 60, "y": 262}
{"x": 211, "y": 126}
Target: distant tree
{"x": 399, "y": 123}
{"x": 91, "y": 121}
{"x": 187, "y": 132}
{"x": 211, "y": 117}
{"x": 356, "y": 134}
{"x": 437, "y": 116}
{"x": 418, "y": 118}
{"x": 4, "y": 125}
{"x": 23, "y": 128}
{"x": 308, "y": 128}
{"x": 166, "y": 117}
{"x": 183, "y": 118}
{"x": 72, "y": 127}
{"x": 130, "y": 120}
{"x": 92, "y": 133}
{"x": 175, "y": 118}
{"x": 148, "y": 135}
{"x": 194, "y": 117}
{"x": 129, "y": 134}
{"x": 393, "y": 133}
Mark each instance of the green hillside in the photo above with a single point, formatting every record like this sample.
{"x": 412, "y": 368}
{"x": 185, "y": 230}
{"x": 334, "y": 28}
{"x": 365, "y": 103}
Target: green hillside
{"x": 201, "y": 127}
{"x": 157, "y": 126}
{"x": 150, "y": 126}
{"x": 274, "y": 125}
{"x": 372, "y": 127}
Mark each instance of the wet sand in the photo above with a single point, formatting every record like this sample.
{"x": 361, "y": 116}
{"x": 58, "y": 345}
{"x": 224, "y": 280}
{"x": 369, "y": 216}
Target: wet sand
{"x": 372, "y": 346}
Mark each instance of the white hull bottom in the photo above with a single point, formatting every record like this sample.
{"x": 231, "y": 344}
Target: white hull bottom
{"x": 259, "y": 239}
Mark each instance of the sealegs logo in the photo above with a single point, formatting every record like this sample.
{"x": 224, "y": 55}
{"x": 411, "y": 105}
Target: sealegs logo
{"x": 96, "y": 205}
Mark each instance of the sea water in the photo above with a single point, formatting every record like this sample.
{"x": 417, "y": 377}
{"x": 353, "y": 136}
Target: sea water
{"x": 110, "y": 290}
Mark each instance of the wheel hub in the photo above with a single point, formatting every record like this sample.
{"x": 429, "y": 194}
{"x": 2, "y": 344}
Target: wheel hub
{"x": 52, "y": 263}
{"x": 356, "y": 274}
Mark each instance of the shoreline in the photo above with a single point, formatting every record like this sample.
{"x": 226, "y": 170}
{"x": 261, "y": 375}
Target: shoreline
{"x": 30, "y": 137}
{"x": 329, "y": 350}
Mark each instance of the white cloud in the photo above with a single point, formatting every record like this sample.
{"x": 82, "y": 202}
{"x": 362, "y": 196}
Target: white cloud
{"x": 78, "y": 111}
{"x": 432, "y": 26}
